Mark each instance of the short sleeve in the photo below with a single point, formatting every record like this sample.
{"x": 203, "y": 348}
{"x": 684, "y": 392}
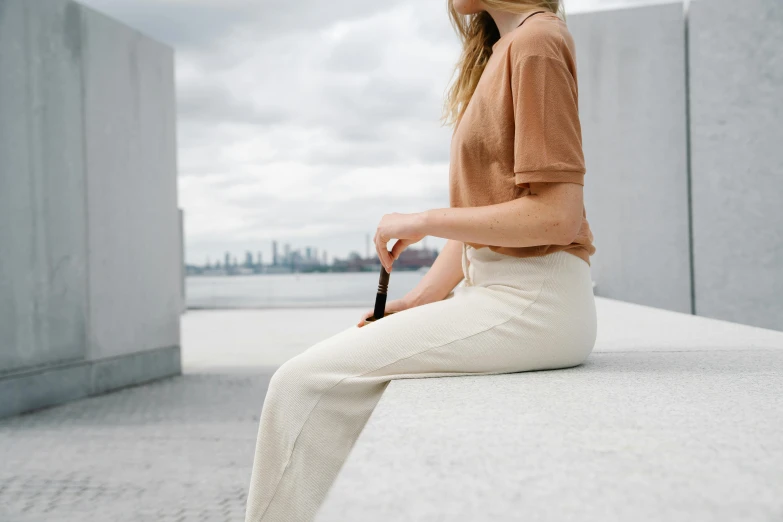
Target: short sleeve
{"x": 547, "y": 131}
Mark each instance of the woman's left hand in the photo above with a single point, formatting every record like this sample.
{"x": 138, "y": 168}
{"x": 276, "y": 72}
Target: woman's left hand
{"x": 406, "y": 228}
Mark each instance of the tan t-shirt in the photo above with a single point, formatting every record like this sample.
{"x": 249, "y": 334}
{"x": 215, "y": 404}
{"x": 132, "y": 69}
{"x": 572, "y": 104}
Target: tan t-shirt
{"x": 521, "y": 126}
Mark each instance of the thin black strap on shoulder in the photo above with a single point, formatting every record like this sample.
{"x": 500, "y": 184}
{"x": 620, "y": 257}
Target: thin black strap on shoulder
{"x": 528, "y": 16}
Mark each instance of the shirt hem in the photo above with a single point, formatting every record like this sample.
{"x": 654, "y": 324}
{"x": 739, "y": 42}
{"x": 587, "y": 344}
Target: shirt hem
{"x": 581, "y": 252}
{"x": 554, "y": 176}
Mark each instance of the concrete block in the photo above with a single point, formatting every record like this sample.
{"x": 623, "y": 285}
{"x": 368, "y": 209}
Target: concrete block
{"x": 55, "y": 384}
{"x": 43, "y": 249}
{"x": 631, "y": 74}
{"x": 43, "y": 387}
{"x": 135, "y": 368}
{"x": 686, "y": 430}
{"x": 90, "y": 245}
{"x": 736, "y": 100}
{"x": 134, "y": 230}
{"x": 183, "y": 273}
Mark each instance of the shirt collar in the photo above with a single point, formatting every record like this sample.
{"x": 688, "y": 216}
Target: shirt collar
{"x": 527, "y": 15}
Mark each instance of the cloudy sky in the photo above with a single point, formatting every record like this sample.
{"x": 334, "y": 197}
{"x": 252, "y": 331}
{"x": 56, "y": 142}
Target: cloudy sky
{"x": 305, "y": 121}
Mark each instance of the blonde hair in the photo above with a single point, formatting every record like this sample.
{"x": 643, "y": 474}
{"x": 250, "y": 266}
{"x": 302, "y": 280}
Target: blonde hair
{"x": 478, "y": 33}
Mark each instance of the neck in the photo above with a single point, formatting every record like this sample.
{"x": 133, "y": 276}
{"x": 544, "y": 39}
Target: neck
{"x": 507, "y": 22}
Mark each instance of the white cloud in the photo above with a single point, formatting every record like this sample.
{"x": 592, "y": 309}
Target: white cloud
{"x": 303, "y": 122}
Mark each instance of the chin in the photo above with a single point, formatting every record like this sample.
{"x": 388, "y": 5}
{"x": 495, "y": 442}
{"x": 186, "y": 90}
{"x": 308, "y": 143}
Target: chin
{"x": 468, "y": 7}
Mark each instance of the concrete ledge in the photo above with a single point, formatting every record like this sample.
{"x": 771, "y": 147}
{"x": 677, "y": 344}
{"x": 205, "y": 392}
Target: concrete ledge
{"x": 673, "y": 417}
{"x": 48, "y": 386}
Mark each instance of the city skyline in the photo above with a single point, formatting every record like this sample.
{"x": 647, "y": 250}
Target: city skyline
{"x": 307, "y": 258}
{"x": 364, "y": 247}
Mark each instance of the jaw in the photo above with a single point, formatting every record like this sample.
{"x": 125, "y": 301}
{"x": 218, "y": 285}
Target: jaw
{"x": 468, "y": 7}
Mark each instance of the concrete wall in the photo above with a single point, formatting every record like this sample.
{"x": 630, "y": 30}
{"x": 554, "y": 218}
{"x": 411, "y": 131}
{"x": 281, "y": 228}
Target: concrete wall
{"x": 183, "y": 271}
{"x": 736, "y": 99}
{"x": 90, "y": 260}
{"x": 632, "y": 102}
{"x": 134, "y": 232}
{"x": 43, "y": 277}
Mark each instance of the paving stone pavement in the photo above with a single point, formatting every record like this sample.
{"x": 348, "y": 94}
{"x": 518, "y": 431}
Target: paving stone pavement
{"x": 179, "y": 449}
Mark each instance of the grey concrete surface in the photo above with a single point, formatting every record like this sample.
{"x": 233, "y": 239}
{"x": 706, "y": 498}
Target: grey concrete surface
{"x": 43, "y": 279}
{"x": 673, "y": 417}
{"x": 736, "y": 90}
{"x": 176, "y": 450}
{"x": 660, "y": 386}
{"x": 631, "y": 71}
{"x": 54, "y": 384}
{"x": 133, "y": 215}
{"x": 90, "y": 278}
{"x": 257, "y": 338}
{"x": 183, "y": 272}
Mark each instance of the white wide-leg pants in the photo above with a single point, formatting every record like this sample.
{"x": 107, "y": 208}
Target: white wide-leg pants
{"x": 508, "y": 315}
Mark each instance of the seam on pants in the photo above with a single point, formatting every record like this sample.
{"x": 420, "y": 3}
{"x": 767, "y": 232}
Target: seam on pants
{"x": 301, "y": 429}
{"x": 465, "y": 265}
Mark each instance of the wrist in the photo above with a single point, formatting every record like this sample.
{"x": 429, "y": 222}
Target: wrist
{"x": 412, "y": 299}
{"x": 419, "y": 296}
{"x": 425, "y": 219}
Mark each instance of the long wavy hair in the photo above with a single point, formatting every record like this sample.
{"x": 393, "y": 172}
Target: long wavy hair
{"x": 478, "y": 33}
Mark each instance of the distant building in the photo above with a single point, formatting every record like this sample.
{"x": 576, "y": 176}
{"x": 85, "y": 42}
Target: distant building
{"x": 415, "y": 258}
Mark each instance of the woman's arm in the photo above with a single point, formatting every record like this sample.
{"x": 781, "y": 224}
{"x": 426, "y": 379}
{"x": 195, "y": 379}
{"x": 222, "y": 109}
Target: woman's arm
{"x": 550, "y": 215}
{"x": 441, "y": 278}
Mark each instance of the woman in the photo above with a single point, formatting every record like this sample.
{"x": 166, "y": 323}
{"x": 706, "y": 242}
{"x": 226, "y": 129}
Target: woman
{"x": 517, "y": 233}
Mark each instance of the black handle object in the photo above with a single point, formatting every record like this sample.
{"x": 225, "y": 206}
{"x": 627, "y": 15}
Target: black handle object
{"x": 380, "y": 297}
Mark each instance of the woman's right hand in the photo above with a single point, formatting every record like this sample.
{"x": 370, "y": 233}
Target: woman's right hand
{"x": 395, "y": 305}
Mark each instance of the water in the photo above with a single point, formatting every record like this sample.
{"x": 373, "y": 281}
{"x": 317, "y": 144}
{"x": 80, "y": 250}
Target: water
{"x": 347, "y": 289}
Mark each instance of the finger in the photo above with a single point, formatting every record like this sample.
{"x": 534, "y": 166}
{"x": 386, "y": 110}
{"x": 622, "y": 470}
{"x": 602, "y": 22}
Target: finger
{"x": 387, "y": 255}
{"x": 363, "y": 322}
{"x": 377, "y": 246}
{"x": 398, "y": 247}
{"x": 383, "y": 253}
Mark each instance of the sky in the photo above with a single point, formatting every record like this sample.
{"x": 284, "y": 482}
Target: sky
{"x": 305, "y": 122}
